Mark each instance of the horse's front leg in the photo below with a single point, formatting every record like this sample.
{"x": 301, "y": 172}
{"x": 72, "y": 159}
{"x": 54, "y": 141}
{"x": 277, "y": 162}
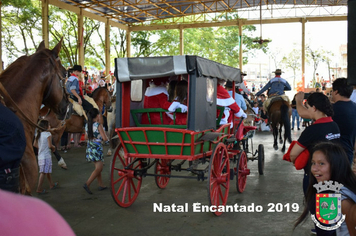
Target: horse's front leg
{"x": 28, "y": 171}
{"x": 280, "y": 134}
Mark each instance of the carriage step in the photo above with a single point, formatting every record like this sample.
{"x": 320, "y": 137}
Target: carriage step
{"x": 209, "y": 136}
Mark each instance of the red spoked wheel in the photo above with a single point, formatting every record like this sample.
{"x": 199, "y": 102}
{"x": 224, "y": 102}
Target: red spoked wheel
{"x": 219, "y": 177}
{"x": 241, "y": 172}
{"x": 162, "y": 168}
{"x": 125, "y": 185}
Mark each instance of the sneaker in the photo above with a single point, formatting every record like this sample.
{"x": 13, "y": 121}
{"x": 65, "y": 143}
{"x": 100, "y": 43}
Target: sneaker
{"x": 292, "y": 129}
{"x": 298, "y": 128}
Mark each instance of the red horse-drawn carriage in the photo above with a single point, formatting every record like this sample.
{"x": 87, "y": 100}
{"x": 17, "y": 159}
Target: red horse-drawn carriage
{"x": 170, "y": 148}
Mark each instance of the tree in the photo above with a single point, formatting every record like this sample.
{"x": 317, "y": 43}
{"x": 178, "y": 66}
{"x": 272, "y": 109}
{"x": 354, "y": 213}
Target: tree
{"x": 21, "y": 29}
{"x": 218, "y": 44}
{"x": 316, "y": 57}
{"x": 293, "y": 61}
{"x": 327, "y": 59}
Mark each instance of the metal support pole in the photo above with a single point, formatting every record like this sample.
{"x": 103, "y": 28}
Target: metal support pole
{"x": 81, "y": 38}
{"x": 45, "y": 32}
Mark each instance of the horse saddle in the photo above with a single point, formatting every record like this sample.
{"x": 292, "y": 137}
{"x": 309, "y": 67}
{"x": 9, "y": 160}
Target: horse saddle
{"x": 78, "y": 109}
{"x": 273, "y": 99}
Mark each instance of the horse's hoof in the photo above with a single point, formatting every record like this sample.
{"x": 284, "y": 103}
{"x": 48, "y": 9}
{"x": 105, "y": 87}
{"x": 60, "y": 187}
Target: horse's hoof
{"x": 280, "y": 141}
{"x": 289, "y": 140}
{"x": 275, "y": 147}
{"x": 283, "y": 150}
{"x": 62, "y": 163}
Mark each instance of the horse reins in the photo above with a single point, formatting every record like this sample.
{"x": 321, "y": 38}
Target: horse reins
{"x": 7, "y": 95}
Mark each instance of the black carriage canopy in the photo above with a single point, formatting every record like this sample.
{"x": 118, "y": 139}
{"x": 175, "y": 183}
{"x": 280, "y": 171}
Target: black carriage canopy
{"x": 203, "y": 75}
{"x": 154, "y": 67}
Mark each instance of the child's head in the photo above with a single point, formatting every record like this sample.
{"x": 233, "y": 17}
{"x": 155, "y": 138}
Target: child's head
{"x": 93, "y": 113}
{"x": 44, "y": 124}
{"x": 255, "y": 104}
{"x": 171, "y": 90}
{"x": 181, "y": 90}
{"x": 329, "y": 162}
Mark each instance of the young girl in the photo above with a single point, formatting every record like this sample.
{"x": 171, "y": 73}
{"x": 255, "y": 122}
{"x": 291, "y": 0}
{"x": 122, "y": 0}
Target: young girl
{"x": 95, "y": 135}
{"x": 181, "y": 91}
{"x": 330, "y": 162}
{"x": 43, "y": 141}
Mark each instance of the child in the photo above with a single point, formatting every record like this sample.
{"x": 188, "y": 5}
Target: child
{"x": 181, "y": 91}
{"x": 330, "y": 162}
{"x": 255, "y": 107}
{"x": 95, "y": 134}
{"x": 43, "y": 142}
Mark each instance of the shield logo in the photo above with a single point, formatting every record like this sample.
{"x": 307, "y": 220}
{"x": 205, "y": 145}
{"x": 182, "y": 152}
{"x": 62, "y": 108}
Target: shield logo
{"x": 328, "y": 207}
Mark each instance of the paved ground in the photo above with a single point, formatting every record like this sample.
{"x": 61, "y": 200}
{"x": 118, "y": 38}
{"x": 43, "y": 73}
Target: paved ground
{"x": 98, "y": 214}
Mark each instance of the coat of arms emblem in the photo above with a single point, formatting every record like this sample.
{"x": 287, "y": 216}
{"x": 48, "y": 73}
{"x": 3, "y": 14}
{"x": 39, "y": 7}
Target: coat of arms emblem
{"x": 328, "y": 206}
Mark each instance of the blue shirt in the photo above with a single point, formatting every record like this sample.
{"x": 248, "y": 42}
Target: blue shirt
{"x": 72, "y": 83}
{"x": 277, "y": 86}
{"x": 239, "y": 100}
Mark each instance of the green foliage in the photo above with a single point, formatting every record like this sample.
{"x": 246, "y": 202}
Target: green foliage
{"x": 293, "y": 61}
{"x": 21, "y": 28}
{"x": 22, "y": 22}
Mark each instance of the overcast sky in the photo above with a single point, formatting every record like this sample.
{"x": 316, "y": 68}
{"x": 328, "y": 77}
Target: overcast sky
{"x": 326, "y": 35}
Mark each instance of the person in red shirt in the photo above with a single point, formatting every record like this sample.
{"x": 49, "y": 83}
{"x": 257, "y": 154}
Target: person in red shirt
{"x": 225, "y": 100}
{"x": 156, "y": 96}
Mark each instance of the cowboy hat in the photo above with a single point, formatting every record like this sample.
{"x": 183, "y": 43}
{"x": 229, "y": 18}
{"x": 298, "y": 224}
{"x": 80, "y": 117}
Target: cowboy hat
{"x": 77, "y": 68}
{"x": 228, "y": 84}
{"x": 278, "y": 71}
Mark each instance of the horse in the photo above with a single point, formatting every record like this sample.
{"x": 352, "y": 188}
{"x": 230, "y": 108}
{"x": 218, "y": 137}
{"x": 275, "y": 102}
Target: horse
{"x": 29, "y": 82}
{"x": 111, "y": 127}
{"x": 279, "y": 113}
{"x": 75, "y": 124}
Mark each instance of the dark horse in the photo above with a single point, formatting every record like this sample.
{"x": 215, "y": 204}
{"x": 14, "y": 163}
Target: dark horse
{"x": 279, "y": 115}
{"x": 75, "y": 124}
{"x": 31, "y": 81}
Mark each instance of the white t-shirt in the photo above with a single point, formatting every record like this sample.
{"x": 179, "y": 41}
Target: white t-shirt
{"x": 44, "y": 152}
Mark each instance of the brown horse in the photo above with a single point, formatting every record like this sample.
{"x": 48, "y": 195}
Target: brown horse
{"x": 31, "y": 81}
{"x": 75, "y": 124}
{"x": 279, "y": 113}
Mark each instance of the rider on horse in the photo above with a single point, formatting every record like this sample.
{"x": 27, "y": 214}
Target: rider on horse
{"x": 276, "y": 87}
{"x": 74, "y": 90}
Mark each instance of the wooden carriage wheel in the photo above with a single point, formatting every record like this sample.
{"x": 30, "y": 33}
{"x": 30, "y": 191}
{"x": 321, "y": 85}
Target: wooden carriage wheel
{"x": 162, "y": 168}
{"x": 219, "y": 177}
{"x": 241, "y": 172}
{"x": 125, "y": 185}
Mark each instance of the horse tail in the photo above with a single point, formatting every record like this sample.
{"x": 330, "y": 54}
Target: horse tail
{"x": 286, "y": 121}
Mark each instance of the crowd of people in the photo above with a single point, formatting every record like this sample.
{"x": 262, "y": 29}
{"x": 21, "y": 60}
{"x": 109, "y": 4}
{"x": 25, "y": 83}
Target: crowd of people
{"x": 324, "y": 150}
